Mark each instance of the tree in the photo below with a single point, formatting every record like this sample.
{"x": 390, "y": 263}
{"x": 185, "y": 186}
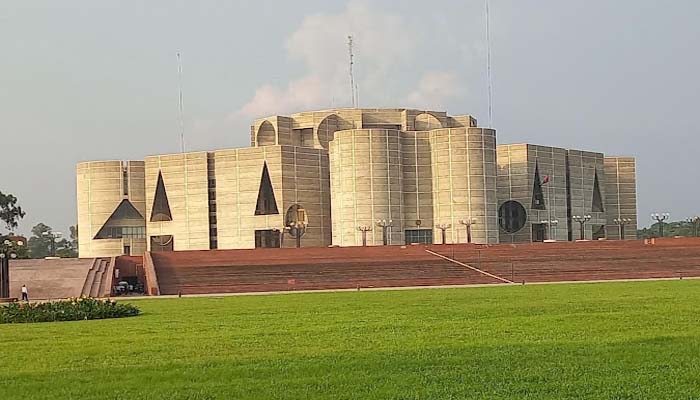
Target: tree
{"x": 40, "y": 242}
{"x": 74, "y": 237}
{"x": 10, "y": 212}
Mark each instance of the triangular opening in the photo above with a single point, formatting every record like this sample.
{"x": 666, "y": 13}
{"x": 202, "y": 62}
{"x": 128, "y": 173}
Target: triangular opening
{"x": 161, "y": 206}
{"x": 266, "y": 204}
{"x": 597, "y": 198}
{"x": 125, "y": 221}
{"x": 537, "y": 194}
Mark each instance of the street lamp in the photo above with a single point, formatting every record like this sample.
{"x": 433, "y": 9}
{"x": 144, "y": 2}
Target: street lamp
{"x": 552, "y": 227}
{"x": 582, "y": 219}
{"x": 621, "y": 222}
{"x": 468, "y": 223}
{"x": 297, "y": 229}
{"x": 364, "y": 229}
{"x": 8, "y": 250}
{"x": 444, "y": 228}
{"x": 384, "y": 224}
{"x": 660, "y": 218}
{"x": 52, "y": 236}
{"x": 695, "y": 221}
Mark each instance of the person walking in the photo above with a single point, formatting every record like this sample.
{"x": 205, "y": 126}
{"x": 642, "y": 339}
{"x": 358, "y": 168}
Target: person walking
{"x": 25, "y": 293}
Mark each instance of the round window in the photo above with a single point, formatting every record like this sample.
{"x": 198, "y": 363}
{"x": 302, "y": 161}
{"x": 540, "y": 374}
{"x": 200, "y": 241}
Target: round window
{"x": 512, "y": 216}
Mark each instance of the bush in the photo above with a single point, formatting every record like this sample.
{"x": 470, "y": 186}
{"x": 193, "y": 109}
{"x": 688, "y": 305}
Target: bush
{"x": 74, "y": 309}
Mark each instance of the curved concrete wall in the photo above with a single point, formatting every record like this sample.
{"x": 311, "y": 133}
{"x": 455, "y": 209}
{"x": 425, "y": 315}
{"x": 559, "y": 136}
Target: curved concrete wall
{"x": 366, "y": 185}
{"x": 464, "y": 183}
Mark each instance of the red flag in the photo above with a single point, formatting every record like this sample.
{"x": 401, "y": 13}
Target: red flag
{"x": 545, "y": 179}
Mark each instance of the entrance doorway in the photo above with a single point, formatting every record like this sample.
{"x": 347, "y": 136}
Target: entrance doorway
{"x": 127, "y": 250}
{"x": 539, "y": 232}
{"x": 598, "y": 232}
{"x": 267, "y": 238}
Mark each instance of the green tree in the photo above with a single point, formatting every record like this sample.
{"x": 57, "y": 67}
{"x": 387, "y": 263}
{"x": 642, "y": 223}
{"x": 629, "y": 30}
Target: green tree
{"x": 10, "y": 212}
{"x": 671, "y": 229}
{"x": 40, "y": 242}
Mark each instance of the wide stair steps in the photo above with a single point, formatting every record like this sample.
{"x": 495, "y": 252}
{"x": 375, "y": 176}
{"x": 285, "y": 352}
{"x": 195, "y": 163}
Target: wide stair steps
{"x": 231, "y": 271}
{"x": 98, "y": 282}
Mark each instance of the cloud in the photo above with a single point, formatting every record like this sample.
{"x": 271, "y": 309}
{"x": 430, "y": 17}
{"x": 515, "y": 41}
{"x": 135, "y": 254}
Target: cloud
{"x": 385, "y": 44}
{"x": 433, "y": 90}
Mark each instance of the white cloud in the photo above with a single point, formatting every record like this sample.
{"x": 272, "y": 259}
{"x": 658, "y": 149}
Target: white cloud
{"x": 385, "y": 45}
{"x": 433, "y": 90}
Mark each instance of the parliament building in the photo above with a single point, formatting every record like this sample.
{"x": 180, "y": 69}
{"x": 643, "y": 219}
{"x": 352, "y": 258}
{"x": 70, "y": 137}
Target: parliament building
{"x": 348, "y": 177}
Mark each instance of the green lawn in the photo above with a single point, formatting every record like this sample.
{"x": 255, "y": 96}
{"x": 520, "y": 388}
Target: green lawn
{"x": 586, "y": 341}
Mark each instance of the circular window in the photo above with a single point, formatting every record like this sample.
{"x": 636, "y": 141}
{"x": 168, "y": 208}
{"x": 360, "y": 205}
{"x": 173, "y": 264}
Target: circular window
{"x": 512, "y": 216}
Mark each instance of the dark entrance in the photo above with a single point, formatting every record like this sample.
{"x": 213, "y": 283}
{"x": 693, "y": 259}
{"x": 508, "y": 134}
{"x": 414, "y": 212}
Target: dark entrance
{"x": 267, "y": 238}
{"x": 419, "y": 236}
{"x": 539, "y": 232}
{"x": 598, "y": 232}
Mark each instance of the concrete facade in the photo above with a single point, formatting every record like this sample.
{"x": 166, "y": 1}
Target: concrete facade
{"x": 327, "y": 173}
{"x": 102, "y": 187}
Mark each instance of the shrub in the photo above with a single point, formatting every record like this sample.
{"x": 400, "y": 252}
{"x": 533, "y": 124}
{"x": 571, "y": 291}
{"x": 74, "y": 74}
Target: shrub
{"x": 73, "y": 309}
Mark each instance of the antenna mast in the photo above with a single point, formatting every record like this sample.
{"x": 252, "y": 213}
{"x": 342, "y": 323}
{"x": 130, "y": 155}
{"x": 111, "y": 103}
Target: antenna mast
{"x": 352, "y": 74}
{"x": 180, "y": 105}
{"x": 488, "y": 64}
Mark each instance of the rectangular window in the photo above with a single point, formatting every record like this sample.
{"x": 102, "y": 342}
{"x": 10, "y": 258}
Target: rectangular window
{"x": 424, "y": 236}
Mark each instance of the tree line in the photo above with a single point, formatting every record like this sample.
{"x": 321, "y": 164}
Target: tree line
{"x": 42, "y": 243}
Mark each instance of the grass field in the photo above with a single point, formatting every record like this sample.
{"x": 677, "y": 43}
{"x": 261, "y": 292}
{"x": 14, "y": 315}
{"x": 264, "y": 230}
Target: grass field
{"x": 586, "y": 341}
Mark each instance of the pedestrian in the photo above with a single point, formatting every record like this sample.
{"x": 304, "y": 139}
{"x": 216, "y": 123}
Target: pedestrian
{"x": 25, "y": 293}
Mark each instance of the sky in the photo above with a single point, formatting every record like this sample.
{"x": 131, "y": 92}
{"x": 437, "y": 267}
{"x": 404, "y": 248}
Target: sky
{"x": 91, "y": 80}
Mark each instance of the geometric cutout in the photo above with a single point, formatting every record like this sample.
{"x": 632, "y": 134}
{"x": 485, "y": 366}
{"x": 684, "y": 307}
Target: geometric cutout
{"x": 266, "y": 205}
{"x": 597, "y": 198}
{"x": 537, "y": 195}
{"x": 162, "y": 243}
{"x": 161, "y": 207}
{"x": 126, "y": 220}
{"x": 512, "y": 216}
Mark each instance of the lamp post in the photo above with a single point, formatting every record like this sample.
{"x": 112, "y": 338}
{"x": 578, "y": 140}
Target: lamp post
{"x": 384, "y": 224}
{"x": 52, "y": 236}
{"x": 582, "y": 219}
{"x": 468, "y": 223}
{"x": 621, "y": 222}
{"x": 660, "y": 218}
{"x": 444, "y": 228}
{"x": 551, "y": 228}
{"x": 695, "y": 221}
{"x": 364, "y": 229}
{"x": 8, "y": 250}
{"x": 297, "y": 229}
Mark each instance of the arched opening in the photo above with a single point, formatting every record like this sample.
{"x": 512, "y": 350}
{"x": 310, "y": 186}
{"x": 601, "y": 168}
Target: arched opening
{"x": 266, "y": 134}
{"x": 326, "y": 130}
{"x": 426, "y": 122}
{"x": 511, "y": 216}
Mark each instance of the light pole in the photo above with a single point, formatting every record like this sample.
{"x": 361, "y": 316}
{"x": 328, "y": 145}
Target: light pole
{"x": 582, "y": 219}
{"x": 444, "y": 228}
{"x": 297, "y": 229}
{"x": 551, "y": 228}
{"x": 384, "y": 224}
{"x": 468, "y": 223}
{"x": 364, "y": 229}
{"x": 51, "y": 235}
{"x": 660, "y": 218}
{"x": 8, "y": 250}
{"x": 695, "y": 221}
{"x": 621, "y": 222}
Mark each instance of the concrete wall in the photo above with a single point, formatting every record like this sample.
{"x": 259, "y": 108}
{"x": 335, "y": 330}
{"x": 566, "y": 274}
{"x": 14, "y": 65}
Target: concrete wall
{"x": 621, "y": 195}
{"x": 464, "y": 183}
{"x": 516, "y": 172}
{"x": 186, "y": 183}
{"x": 583, "y": 167}
{"x": 100, "y": 190}
{"x": 366, "y": 185}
